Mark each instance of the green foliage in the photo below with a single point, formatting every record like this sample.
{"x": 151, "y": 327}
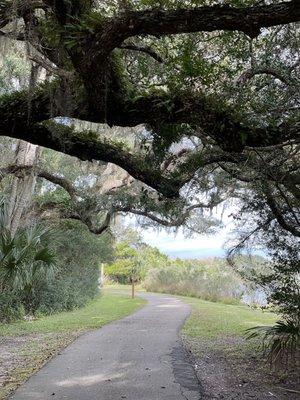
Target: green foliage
{"x": 124, "y": 269}
{"x": 79, "y": 254}
{"x": 50, "y": 30}
{"x": 281, "y": 342}
{"x": 13, "y": 68}
{"x": 207, "y": 279}
{"x": 11, "y": 309}
{"x": 25, "y": 262}
{"x": 121, "y": 271}
{"x": 29, "y": 279}
{"x": 58, "y": 196}
{"x": 280, "y": 279}
{"x": 133, "y": 259}
{"x": 283, "y": 281}
{"x": 23, "y": 258}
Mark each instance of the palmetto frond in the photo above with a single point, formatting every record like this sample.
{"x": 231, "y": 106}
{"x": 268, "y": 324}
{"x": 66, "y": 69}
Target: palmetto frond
{"x": 281, "y": 342}
{"x": 25, "y": 257}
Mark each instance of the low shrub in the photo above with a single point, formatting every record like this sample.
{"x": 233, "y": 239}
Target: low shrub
{"x": 280, "y": 342}
{"x": 11, "y": 309}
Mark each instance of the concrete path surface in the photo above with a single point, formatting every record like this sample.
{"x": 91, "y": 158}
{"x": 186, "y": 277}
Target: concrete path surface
{"x": 137, "y": 358}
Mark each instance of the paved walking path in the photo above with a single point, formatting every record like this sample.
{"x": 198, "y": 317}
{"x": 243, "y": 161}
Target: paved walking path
{"x": 137, "y": 358}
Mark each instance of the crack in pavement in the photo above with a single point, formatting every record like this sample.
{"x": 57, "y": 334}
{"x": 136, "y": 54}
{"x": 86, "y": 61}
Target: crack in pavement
{"x": 185, "y": 374}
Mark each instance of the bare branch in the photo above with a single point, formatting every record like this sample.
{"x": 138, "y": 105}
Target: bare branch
{"x": 250, "y": 73}
{"x": 179, "y": 221}
{"x": 143, "y": 49}
{"x": 20, "y": 170}
{"x": 48, "y": 66}
{"x": 278, "y": 213}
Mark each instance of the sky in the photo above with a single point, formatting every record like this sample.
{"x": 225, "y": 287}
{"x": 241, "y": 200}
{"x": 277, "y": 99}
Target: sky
{"x": 176, "y": 245}
{"x": 199, "y": 246}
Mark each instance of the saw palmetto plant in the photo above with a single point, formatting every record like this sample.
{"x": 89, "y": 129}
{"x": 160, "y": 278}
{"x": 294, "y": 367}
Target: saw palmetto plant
{"x": 280, "y": 342}
{"x": 25, "y": 258}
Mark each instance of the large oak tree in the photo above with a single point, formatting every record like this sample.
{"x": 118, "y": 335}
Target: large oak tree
{"x": 183, "y": 69}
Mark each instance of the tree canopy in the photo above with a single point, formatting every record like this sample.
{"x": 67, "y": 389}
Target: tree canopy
{"x": 214, "y": 84}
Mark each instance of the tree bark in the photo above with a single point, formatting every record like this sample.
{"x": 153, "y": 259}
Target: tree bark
{"x": 22, "y": 187}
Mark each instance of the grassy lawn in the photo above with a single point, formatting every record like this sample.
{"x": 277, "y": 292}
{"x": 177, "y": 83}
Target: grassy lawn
{"x": 217, "y": 326}
{"x": 26, "y": 346}
{"x": 228, "y": 365}
{"x": 214, "y": 320}
{"x": 107, "y": 308}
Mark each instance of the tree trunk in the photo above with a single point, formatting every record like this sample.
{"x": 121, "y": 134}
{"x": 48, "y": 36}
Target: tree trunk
{"x": 22, "y": 186}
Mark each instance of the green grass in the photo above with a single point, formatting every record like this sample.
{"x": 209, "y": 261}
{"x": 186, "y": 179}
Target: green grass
{"x": 213, "y": 320}
{"x": 104, "y": 309}
{"x": 215, "y": 335}
{"x": 221, "y": 327}
{"x": 46, "y": 336}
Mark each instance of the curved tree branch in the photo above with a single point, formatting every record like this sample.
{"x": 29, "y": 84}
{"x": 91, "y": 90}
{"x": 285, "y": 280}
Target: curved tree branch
{"x": 19, "y": 170}
{"x": 279, "y": 215}
{"x": 160, "y": 22}
{"x": 181, "y": 220}
{"x": 50, "y": 209}
{"x": 143, "y": 49}
{"x": 250, "y": 73}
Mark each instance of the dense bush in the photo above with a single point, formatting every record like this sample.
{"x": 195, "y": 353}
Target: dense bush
{"x": 73, "y": 281}
{"x": 11, "y": 308}
{"x": 207, "y": 279}
{"x": 79, "y": 254}
{"x": 124, "y": 268}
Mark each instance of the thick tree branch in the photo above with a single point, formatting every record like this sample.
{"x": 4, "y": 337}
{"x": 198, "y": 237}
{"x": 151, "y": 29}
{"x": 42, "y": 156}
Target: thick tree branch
{"x": 66, "y": 10}
{"x": 52, "y": 210}
{"x": 112, "y": 32}
{"x": 159, "y": 22}
{"x": 84, "y": 145}
{"x": 16, "y": 121}
{"x": 220, "y": 124}
{"x": 103, "y": 227}
{"x": 50, "y": 67}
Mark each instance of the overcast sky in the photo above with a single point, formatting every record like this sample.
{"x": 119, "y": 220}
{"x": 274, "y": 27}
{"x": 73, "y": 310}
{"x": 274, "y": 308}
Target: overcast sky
{"x": 176, "y": 245}
{"x": 199, "y": 246}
